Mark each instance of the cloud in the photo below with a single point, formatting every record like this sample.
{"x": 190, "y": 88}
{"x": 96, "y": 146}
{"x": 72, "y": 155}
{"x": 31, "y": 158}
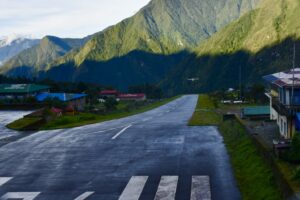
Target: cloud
{"x": 63, "y": 18}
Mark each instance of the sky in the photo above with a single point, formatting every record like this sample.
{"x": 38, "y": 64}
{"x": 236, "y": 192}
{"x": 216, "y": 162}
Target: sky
{"x": 63, "y": 18}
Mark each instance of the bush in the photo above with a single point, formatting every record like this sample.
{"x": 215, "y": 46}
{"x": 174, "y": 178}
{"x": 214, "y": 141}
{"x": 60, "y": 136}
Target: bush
{"x": 293, "y": 155}
{"x": 110, "y": 104}
{"x": 87, "y": 117}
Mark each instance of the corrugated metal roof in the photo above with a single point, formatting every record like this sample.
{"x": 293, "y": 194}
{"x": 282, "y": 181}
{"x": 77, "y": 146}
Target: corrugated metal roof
{"x": 21, "y": 88}
{"x": 285, "y": 78}
{"x": 270, "y": 78}
{"x": 256, "y": 110}
{"x": 61, "y": 96}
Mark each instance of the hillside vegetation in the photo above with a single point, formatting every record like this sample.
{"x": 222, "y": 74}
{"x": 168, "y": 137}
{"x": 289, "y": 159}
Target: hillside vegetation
{"x": 164, "y": 27}
{"x": 259, "y": 43}
{"x": 270, "y": 24}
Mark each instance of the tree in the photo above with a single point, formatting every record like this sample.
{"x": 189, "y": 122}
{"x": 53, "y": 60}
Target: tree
{"x": 151, "y": 91}
{"x": 293, "y": 154}
{"x": 257, "y": 93}
{"x": 55, "y": 102}
{"x": 110, "y": 104}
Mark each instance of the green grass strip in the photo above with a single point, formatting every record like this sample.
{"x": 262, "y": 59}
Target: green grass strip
{"x": 255, "y": 178}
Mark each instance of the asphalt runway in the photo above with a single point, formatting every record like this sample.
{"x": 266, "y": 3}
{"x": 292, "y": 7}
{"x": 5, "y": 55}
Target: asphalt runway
{"x": 153, "y": 155}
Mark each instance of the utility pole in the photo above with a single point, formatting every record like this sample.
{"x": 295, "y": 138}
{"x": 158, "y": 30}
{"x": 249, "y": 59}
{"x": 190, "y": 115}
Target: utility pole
{"x": 293, "y": 82}
{"x": 240, "y": 81}
{"x": 293, "y": 86}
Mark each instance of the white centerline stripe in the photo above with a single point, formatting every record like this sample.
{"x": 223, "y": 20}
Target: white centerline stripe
{"x": 167, "y": 188}
{"x": 20, "y": 195}
{"x": 134, "y": 188}
{"x": 4, "y": 180}
{"x": 122, "y": 131}
{"x": 102, "y": 131}
{"x": 200, "y": 188}
{"x": 84, "y": 195}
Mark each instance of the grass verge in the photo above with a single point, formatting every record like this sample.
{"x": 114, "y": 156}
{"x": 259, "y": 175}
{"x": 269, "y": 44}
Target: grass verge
{"x": 23, "y": 123}
{"x": 82, "y": 119}
{"x": 254, "y": 177}
{"x": 205, "y": 113}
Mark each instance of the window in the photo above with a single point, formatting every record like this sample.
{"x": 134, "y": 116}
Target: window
{"x": 285, "y": 128}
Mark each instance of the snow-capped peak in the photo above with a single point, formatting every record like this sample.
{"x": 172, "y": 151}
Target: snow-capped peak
{"x": 8, "y": 40}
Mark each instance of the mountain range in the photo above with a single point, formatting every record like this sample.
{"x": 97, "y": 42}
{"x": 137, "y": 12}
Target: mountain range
{"x": 169, "y": 41}
{"x": 12, "y": 45}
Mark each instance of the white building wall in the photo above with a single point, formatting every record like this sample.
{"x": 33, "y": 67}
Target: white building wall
{"x": 273, "y": 114}
{"x": 282, "y": 123}
{"x": 281, "y": 120}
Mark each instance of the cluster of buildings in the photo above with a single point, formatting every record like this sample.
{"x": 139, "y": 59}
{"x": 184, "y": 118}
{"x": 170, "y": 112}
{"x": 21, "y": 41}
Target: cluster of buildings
{"x": 73, "y": 100}
{"x": 284, "y": 96}
{"x": 41, "y": 93}
{"x": 121, "y": 96}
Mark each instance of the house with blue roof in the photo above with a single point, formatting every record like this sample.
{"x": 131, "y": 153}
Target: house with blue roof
{"x": 76, "y": 101}
{"x": 284, "y": 95}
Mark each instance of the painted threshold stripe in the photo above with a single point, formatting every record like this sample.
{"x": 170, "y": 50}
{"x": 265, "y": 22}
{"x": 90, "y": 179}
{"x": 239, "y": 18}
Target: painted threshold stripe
{"x": 200, "y": 188}
{"x": 20, "y": 195}
{"x": 167, "y": 188}
{"x": 84, "y": 195}
{"x": 4, "y": 180}
{"x": 134, "y": 188}
{"x": 122, "y": 131}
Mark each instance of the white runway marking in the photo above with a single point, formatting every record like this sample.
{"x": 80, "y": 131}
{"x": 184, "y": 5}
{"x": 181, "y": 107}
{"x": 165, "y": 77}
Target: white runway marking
{"x": 84, "y": 195}
{"x": 102, "y": 131}
{"x": 20, "y": 195}
{"x": 147, "y": 119}
{"x": 167, "y": 188}
{"x": 200, "y": 188}
{"x": 134, "y": 188}
{"x": 4, "y": 180}
{"x": 122, "y": 131}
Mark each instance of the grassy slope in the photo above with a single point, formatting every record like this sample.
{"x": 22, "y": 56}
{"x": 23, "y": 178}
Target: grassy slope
{"x": 86, "y": 118}
{"x": 254, "y": 176}
{"x": 22, "y": 123}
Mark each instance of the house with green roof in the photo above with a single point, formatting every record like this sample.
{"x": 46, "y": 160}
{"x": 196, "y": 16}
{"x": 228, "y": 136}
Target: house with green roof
{"x": 21, "y": 91}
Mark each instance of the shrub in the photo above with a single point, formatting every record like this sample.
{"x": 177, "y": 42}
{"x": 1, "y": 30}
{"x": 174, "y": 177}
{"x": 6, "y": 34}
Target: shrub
{"x": 293, "y": 154}
{"x": 110, "y": 104}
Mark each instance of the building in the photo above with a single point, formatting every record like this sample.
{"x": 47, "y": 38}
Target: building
{"x": 21, "y": 91}
{"x": 109, "y": 94}
{"x": 284, "y": 95}
{"x": 132, "y": 97}
{"x": 256, "y": 112}
{"x": 76, "y": 101}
